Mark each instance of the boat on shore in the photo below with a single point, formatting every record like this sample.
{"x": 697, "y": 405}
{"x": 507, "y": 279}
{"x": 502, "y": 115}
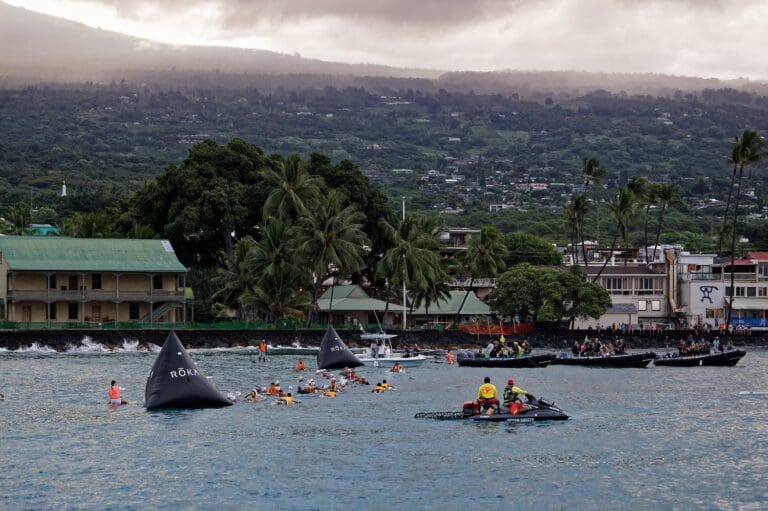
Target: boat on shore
{"x": 636, "y": 360}
{"x": 513, "y": 362}
{"x": 722, "y": 359}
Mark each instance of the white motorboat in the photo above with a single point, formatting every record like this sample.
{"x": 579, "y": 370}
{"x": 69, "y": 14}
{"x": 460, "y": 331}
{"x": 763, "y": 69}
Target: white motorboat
{"x": 390, "y": 358}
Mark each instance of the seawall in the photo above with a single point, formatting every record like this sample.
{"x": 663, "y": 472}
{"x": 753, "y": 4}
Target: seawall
{"x": 558, "y": 339}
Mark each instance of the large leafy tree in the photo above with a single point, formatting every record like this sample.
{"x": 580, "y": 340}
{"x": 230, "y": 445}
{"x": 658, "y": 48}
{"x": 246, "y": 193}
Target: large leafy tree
{"x": 484, "y": 257}
{"x": 523, "y": 289}
{"x": 523, "y": 247}
{"x": 197, "y": 205}
{"x": 550, "y": 294}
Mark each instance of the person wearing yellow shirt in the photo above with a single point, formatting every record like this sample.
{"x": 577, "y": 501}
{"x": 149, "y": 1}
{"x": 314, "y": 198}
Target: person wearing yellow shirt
{"x": 487, "y": 396}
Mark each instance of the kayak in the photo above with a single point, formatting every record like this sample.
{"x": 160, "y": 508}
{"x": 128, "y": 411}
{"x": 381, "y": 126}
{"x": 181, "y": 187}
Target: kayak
{"x": 638, "y": 360}
{"x": 515, "y": 362}
{"x": 726, "y": 358}
{"x": 538, "y": 410}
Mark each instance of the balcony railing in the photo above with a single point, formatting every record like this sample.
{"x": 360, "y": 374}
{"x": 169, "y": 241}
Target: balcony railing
{"x": 95, "y": 295}
{"x": 481, "y": 282}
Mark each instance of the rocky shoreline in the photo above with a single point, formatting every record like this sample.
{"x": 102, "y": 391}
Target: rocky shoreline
{"x": 554, "y": 339}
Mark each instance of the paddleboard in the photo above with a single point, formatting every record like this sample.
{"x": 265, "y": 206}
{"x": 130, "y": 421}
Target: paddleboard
{"x": 752, "y": 393}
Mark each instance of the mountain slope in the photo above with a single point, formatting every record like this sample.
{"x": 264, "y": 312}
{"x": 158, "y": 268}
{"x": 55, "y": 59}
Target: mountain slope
{"x": 35, "y": 46}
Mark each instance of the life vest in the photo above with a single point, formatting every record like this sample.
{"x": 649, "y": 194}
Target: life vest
{"x": 451, "y": 358}
{"x": 329, "y": 393}
{"x": 300, "y": 366}
{"x": 114, "y": 392}
{"x": 263, "y": 347}
{"x": 273, "y": 390}
{"x": 487, "y": 391}
{"x": 289, "y": 400}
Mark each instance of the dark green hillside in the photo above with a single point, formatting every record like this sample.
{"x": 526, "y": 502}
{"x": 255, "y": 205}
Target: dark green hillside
{"x": 480, "y": 148}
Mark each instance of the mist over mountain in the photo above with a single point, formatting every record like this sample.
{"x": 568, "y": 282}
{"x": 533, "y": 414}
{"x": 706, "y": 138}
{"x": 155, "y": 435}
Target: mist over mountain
{"x": 38, "y": 48}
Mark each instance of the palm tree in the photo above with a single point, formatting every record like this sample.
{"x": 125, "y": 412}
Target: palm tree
{"x": 622, "y": 207}
{"x": 592, "y": 172}
{"x": 577, "y": 211}
{"x": 235, "y": 278}
{"x": 273, "y": 251}
{"x": 295, "y": 191}
{"x": 644, "y": 197}
{"x": 278, "y": 297}
{"x": 430, "y": 293}
{"x": 750, "y": 150}
{"x": 89, "y": 225}
{"x": 20, "y": 217}
{"x": 332, "y": 240}
{"x": 412, "y": 258}
{"x": 735, "y": 157}
{"x": 484, "y": 257}
{"x": 667, "y": 196}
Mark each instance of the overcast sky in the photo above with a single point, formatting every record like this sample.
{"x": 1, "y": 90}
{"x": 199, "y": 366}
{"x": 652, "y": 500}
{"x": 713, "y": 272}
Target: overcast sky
{"x": 711, "y": 38}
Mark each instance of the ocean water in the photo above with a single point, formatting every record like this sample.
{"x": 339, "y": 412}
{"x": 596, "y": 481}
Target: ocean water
{"x": 655, "y": 438}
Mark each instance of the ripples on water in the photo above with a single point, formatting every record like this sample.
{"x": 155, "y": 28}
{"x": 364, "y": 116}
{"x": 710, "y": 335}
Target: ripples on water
{"x": 656, "y": 438}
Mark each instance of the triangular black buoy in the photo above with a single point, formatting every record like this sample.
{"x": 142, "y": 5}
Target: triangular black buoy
{"x": 176, "y": 382}
{"x": 334, "y": 354}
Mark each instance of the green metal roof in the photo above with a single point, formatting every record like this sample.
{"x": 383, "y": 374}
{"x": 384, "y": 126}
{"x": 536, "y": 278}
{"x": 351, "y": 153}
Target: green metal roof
{"x": 34, "y": 253}
{"x": 353, "y": 299}
{"x": 472, "y": 307}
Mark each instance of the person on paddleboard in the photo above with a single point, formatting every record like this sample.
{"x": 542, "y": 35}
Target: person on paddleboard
{"x": 115, "y": 398}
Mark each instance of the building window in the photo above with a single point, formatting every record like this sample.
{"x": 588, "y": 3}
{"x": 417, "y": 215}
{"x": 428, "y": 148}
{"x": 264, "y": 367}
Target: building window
{"x": 728, "y": 291}
{"x": 72, "y": 311}
{"x": 762, "y": 291}
{"x": 157, "y": 282}
{"x": 655, "y": 305}
{"x": 740, "y": 291}
{"x": 751, "y": 291}
{"x": 95, "y": 280}
{"x": 52, "y": 281}
{"x": 642, "y": 305}
{"x": 133, "y": 310}
{"x": 52, "y": 310}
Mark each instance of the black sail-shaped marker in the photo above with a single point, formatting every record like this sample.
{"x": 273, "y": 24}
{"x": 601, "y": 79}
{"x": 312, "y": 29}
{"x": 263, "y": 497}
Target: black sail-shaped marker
{"x": 176, "y": 382}
{"x": 334, "y": 354}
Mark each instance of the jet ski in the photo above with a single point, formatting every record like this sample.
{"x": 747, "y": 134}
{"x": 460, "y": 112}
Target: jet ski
{"x": 538, "y": 410}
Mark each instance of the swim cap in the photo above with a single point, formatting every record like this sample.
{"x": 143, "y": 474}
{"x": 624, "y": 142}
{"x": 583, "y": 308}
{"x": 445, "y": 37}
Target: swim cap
{"x": 510, "y": 381}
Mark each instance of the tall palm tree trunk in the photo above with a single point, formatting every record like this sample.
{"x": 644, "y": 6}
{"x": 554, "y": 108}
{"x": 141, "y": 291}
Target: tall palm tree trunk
{"x": 725, "y": 214}
{"x": 658, "y": 230}
{"x": 464, "y": 300}
{"x": 733, "y": 249}
{"x": 605, "y": 263}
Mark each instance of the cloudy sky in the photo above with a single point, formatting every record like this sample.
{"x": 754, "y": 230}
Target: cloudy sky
{"x": 712, "y": 38}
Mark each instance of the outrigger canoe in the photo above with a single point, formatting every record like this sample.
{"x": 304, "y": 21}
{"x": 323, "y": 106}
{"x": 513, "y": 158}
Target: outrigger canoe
{"x": 514, "y": 362}
{"x": 725, "y": 359}
{"x": 637, "y": 360}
